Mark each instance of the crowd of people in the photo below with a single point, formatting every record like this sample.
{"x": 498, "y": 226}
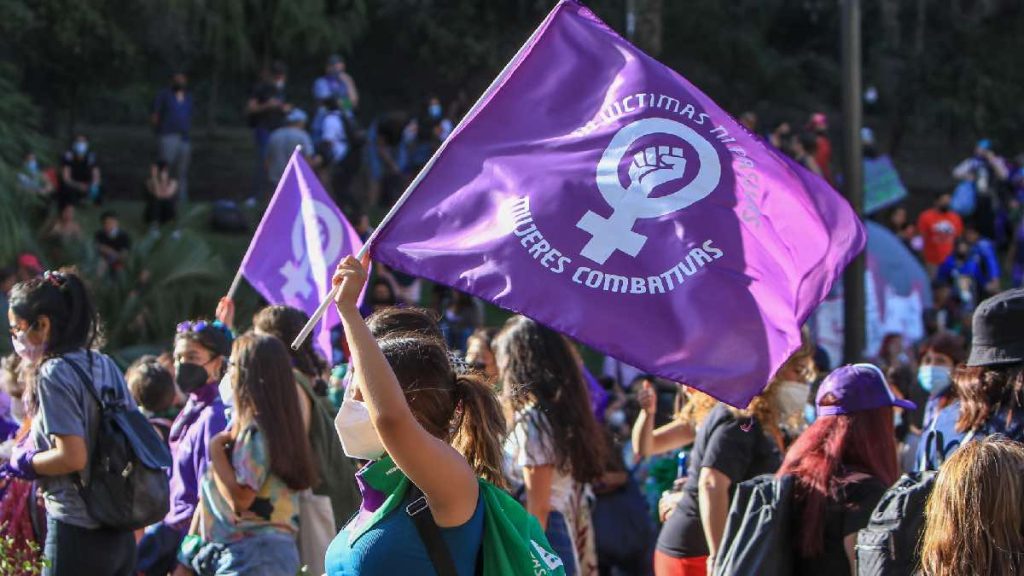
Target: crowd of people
{"x": 279, "y": 459}
{"x": 268, "y": 474}
{"x": 343, "y": 145}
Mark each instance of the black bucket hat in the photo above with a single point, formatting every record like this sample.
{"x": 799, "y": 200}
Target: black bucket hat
{"x": 998, "y": 337}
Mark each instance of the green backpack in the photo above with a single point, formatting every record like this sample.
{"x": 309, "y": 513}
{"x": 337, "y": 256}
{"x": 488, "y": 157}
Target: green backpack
{"x": 513, "y": 541}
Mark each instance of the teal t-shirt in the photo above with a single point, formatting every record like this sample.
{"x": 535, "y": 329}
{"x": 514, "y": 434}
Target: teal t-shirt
{"x": 392, "y": 546}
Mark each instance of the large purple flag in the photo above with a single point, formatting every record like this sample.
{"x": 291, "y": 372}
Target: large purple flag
{"x": 302, "y": 236}
{"x": 599, "y": 192}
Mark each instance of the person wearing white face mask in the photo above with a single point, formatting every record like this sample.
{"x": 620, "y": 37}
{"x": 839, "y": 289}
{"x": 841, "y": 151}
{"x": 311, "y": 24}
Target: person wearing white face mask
{"x": 793, "y": 384}
{"x": 422, "y": 430}
{"x": 80, "y": 175}
{"x": 53, "y": 330}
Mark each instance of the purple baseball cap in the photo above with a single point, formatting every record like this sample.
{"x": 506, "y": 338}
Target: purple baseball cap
{"x": 857, "y": 387}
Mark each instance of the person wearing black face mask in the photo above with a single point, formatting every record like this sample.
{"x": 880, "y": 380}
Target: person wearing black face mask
{"x": 200, "y": 351}
{"x": 172, "y": 119}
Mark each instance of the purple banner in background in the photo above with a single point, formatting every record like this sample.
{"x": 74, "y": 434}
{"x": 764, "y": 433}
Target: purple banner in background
{"x": 302, "y": 236}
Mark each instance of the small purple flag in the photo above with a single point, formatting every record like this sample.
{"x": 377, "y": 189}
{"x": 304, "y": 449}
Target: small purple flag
{"x": 599, "y": 192}
{"x": 302, "y": 236}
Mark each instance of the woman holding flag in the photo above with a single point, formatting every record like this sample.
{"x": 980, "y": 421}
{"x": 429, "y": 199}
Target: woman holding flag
{"x": 427, "y": 435}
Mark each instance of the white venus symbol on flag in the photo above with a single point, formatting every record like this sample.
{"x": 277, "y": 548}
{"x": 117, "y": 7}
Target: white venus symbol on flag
{"x": 296, "y": 272}
{"x": 650, "y": 168}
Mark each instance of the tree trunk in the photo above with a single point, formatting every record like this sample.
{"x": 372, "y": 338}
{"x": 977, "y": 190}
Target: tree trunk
{"x": 649, "y": 26}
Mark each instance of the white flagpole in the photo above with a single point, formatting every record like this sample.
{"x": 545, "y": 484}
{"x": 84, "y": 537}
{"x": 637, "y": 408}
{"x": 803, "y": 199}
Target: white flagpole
{"x": 322, "y": 309}
{"x": 235, "y": 283}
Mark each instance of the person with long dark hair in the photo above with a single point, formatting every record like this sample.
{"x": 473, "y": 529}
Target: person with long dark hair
{"x": 842, "y": 464}
{"x": 54, "y": 326}
{"x": 555, "y": 449}
{"x": 248, "y": 515}
{"x": 200, "y": 358}
{"x": 337, "y": 474}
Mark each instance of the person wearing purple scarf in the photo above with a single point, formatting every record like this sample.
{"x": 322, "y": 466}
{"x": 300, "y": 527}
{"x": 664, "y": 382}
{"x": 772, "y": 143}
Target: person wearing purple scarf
{"x": 200, "y": 351}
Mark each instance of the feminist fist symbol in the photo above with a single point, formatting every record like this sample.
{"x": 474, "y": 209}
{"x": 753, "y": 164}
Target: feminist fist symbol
{"x": 653, "y": 167}
{"x": 650, "y": 168}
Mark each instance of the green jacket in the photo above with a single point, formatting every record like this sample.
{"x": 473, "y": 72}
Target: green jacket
{"x": 337, "y": 473}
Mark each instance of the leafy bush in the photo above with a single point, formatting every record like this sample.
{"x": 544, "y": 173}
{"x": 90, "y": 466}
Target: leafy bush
{"x": 20, "y": 558}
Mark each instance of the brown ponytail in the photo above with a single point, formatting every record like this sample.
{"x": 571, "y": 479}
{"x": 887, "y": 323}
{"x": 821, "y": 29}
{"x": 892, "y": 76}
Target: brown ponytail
{"x": 479, "y": 428}
{"x": 460, "y": 409}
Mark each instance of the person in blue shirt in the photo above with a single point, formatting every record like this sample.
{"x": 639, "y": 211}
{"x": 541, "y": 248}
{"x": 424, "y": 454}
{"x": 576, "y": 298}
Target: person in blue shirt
{"x": 983, "y": 251}
{"x": 972, "y": 266}
{"x": 337, "y": 85}
{"x": 942, "y": 354}
{"x": 172, "y": 120}
{"x": 989, "y": 388}
{"x": 336, "y": 82}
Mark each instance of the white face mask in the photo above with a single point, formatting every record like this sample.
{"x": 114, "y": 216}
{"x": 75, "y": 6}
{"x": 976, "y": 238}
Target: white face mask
{"x": 792, "y": 397}
{"x": 358, "y": 437}
{"x": 227, "y": 392}
{"x": 27, "y": 350}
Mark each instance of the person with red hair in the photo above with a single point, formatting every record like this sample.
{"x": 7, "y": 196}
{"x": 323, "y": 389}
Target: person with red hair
{"x": 842, "y": 464}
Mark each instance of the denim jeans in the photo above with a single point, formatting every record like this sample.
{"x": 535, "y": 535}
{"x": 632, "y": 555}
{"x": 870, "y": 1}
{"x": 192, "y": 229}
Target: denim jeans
{"x": 562, "y": 541}
{"x": 257, "y": 555}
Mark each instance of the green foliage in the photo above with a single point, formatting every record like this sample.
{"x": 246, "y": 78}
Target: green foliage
{"x": 18, "y": 135}
{"x": 241, "y": 35}
{"x": 66, "y": 47}
{"x": 168, "y": 278}
{"x": 18, "y": 558}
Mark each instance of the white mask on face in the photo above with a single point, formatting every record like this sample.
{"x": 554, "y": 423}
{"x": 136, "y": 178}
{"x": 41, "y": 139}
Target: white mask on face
{"x": 792, "y": 397}
{"x": 359, "y": 439}
{"x": 23, "y": 347}
{"x": 227, "y": 393}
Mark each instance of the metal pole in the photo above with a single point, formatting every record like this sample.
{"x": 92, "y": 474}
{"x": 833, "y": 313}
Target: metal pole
{"x": 853, "y": 280}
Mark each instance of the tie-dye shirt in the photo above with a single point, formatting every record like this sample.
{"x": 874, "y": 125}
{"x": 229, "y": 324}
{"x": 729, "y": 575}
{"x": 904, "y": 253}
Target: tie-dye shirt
{"x": 275, "y": 510}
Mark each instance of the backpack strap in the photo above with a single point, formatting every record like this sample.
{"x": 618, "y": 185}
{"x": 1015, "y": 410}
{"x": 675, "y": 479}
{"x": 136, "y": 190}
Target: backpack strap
{"x": 430, "y": 532}
{"x": 87, "y": 381}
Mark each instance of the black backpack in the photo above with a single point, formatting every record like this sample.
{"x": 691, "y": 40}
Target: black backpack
{"x": 757, "y": 538}
{"x": 128, "y": 487}
{"x": 888, "y": 546}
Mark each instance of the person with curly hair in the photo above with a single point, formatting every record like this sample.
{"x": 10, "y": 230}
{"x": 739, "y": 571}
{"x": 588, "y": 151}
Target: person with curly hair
{"x": 730, "y": 446}
{"x": 554, "y": 450}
